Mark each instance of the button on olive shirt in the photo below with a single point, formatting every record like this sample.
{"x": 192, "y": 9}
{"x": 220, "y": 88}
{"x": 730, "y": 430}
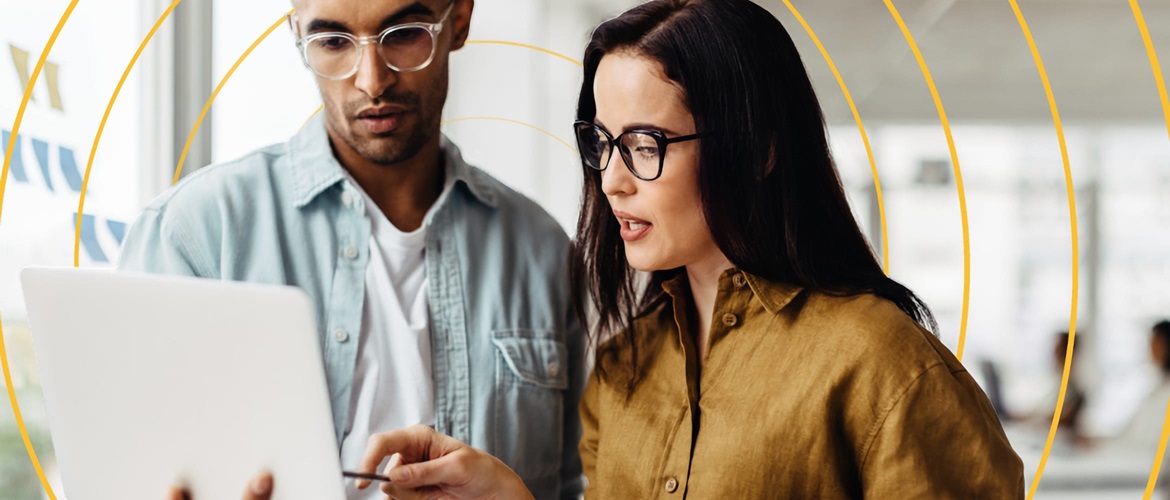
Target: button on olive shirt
{"x": 802, "y": 395}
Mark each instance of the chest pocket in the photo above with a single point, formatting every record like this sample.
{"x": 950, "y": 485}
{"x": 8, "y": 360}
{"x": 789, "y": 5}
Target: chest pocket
{"x": 532, "y": 374}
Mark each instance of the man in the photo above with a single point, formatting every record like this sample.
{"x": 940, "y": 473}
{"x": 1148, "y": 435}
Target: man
{"x": 440, "y": 295}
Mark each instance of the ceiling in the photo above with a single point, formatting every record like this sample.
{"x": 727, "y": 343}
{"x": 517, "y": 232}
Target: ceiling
{"x": 980, "y": 60}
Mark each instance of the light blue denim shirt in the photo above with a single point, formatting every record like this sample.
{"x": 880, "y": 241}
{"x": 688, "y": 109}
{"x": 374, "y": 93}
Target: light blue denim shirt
{"x": 508, "y": 353}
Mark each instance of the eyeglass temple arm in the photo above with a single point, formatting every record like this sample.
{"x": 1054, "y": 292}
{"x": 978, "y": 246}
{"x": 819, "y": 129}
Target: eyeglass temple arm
{"x": 671, "y": 140}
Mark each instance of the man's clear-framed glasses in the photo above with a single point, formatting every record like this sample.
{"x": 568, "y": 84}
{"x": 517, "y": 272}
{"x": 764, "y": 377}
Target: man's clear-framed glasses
{"x": 403, "y": 47}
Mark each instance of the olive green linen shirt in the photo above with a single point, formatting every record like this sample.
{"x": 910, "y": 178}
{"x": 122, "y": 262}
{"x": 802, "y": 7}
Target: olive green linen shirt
{"x": 802, "y": 395}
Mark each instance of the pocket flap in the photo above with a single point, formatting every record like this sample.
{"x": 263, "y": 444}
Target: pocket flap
{"x": 535, "y": 357}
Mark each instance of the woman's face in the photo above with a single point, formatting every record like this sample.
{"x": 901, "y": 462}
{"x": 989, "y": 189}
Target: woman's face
{"x": 662, "y": 221}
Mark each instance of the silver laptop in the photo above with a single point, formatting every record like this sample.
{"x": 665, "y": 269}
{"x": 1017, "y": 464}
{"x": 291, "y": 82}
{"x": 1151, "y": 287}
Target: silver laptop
{"x": 151, "y": 381}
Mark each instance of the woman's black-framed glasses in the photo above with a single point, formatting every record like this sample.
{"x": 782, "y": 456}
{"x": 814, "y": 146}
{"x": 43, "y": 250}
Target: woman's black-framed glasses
{"x": 642, "y": 150}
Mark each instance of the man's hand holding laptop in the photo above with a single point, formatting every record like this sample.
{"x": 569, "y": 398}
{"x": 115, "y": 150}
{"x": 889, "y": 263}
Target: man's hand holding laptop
{"x": 424, "y": 464}
{"x": 260, "y": 488}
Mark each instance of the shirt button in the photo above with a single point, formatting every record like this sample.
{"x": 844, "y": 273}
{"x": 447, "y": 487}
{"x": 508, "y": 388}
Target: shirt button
{"x": 350, "y": 252}
{"x": 340, "y": 336}
{"x": 554, "y": 369}
{"x": 730, "y": 319}
{"x": 347, "y": 198}
{"x": 739, "y": 281}
{"x": 671, "y": 485}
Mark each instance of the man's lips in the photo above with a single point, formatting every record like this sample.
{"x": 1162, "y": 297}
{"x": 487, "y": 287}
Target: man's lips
{"x": 381, "y": 111}
{"x": 382, "y": 120}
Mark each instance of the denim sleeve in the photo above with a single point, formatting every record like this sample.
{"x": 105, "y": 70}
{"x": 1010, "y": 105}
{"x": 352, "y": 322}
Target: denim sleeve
{"x": 162, "y": 245}
{"x": 572, "y": 479}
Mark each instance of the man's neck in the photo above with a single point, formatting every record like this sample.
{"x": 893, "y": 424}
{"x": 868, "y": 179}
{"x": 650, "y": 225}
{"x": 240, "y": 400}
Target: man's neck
{"x": 403, "y": 191}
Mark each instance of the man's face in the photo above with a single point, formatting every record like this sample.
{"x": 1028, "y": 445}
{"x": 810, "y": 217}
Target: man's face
{"x": 383, "y": 115}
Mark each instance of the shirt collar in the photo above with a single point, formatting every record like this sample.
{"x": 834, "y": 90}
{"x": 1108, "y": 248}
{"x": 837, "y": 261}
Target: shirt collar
{"x": 315, "y": 168}
{"x": 772, "y": 294}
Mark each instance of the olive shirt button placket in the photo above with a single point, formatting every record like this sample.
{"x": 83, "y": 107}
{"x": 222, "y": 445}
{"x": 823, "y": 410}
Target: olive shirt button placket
{"x": 671, "y": 485}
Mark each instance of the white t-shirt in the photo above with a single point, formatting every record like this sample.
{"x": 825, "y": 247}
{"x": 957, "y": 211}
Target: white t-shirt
{"x": 392, "y": 382}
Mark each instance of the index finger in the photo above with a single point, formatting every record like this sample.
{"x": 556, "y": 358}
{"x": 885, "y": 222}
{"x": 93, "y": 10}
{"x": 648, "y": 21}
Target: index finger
{"x": 410, "y": 442}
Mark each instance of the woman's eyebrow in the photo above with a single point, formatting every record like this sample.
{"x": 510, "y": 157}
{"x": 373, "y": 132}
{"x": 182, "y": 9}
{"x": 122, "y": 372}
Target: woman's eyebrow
{"x": 649, "y": 126}
{"x": 637, "y": 126}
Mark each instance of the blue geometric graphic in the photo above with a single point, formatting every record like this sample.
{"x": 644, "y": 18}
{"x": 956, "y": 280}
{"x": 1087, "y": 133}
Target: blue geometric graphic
{"x": 16, "y": 168}
{"x": 41, "y": 150}
{"x": 69, "y": 168}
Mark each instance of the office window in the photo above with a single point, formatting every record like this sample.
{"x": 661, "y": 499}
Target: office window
{"x": 46, "y": 172}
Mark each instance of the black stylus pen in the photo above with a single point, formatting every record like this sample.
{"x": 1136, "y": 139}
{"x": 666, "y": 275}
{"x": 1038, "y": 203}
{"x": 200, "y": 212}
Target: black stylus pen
{"x": 359, "y": 475}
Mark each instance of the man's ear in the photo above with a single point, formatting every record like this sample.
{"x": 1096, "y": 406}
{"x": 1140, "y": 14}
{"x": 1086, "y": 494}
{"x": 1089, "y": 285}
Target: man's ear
{"x": 461, "y": 22}
{"x": 292, "y": 25}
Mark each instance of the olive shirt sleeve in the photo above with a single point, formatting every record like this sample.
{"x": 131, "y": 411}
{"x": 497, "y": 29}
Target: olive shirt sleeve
{"x": 940, "y": 438}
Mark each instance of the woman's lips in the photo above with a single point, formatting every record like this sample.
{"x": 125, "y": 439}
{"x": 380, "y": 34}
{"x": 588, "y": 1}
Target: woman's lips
{"x": 633, "y": 229}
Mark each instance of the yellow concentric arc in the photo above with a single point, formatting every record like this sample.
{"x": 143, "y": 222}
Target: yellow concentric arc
{"x": 178, "y": 169}
{"x": 877, "y": 184}
{"x": 1157, "y": 467}
{"x": 1161, "y": 84}
{"x": 517, "y": 122}
{"x": 526, "y": 46}
{"x": 32, "y": 454}
{"x": 1072, "y": 215}
{"x": 215, "y": 93}
{"x": 1153, "y": 56}
{"x": 494, "y": 42}
{"x": 942, "y": 115}
{"x": 102, "y": 126}
{"x": 479, "y": 118}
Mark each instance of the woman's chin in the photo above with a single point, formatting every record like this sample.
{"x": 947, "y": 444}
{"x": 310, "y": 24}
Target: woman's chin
{"x": 645, "y": 261}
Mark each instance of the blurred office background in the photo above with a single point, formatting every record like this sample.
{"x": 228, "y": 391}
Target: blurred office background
{"x": 1012, "y": 172}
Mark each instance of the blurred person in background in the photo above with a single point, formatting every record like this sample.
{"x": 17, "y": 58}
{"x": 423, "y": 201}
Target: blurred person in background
{"x": 1037, "y": 419}
{"x": 1144, "y": 430}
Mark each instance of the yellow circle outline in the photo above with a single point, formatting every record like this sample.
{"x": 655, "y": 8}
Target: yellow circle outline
{"x": 32, "y": 454}
{"x": 478, "y": 118}
{"x": 942, "y": 115}
{"x": 492, "y": 42}
{"x": 1153, "y": 56}
{"x": 1153, "y": 481}
{"x": 1072, "y": 215}
{"x": 527, "y": 46}
{"x": 509, "y": 120}
{"x": 877, "y": 183}
{"x": 215, "y": 93}
{"x": 1072, "y": 204}
{"x": 1161, "y": 84}
{"x": 228, "y": 75}
{"x": 179, "y": 166}
{"x": 102, "y": 126}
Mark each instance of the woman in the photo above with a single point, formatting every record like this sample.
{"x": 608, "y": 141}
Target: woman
{"x": 766, "y": 355}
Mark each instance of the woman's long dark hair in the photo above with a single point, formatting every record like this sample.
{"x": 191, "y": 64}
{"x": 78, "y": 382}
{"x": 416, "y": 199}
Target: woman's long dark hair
{"x": 769, "y": 188}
